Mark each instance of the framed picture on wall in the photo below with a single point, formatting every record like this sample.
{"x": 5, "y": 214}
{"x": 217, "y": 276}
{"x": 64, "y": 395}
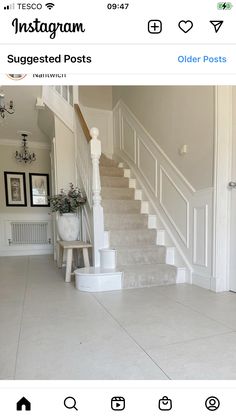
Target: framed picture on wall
{"x": 15, "y": 189}
{"x": 39, "y": 189}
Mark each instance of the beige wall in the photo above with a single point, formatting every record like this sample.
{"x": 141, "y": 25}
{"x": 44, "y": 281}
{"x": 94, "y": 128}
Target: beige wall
{"x": 96, "y": 96}
{"x": 64, "y": 156}
{"x": 9, "y": 164}
{"x": 174, "y": 116}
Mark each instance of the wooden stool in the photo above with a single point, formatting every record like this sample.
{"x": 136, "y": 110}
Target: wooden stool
{"x": 70, "y": 247}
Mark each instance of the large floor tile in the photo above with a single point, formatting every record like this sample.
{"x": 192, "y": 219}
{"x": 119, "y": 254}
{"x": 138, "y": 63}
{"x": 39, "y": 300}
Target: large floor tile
{"x": 212, "y": 358}
{"x": 49, "y": 330}
{"x": 63, "y": 348}
{"x": 158, "y": 320}
{"x": 10, "y": 322}
{"x": 218, "y": 306}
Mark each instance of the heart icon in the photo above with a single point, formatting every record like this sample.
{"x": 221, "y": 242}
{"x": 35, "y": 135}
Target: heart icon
{"x": 185, "y": 25}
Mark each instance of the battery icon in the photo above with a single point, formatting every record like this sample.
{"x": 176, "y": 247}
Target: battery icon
{"x": 224, "y": 5}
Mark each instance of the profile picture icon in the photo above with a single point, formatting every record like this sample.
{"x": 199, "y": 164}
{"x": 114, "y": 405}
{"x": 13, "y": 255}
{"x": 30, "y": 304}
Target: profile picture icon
{"x": 16, "y": 77}
{"x": 212, "y": 403}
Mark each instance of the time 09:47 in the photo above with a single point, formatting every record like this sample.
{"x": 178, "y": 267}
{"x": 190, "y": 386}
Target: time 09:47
{"x": 116, "y": 6}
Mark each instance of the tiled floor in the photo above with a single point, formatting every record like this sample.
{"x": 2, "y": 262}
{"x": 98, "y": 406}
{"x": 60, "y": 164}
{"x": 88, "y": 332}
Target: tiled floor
{"x": 49, "y": 330}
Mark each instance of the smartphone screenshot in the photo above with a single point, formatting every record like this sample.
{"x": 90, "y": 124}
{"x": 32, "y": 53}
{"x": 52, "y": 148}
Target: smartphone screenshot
{"x": 117, "y": 209}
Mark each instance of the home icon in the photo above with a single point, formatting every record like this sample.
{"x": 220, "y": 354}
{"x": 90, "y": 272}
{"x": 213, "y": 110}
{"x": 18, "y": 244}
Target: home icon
{"x": 23, "y": 404}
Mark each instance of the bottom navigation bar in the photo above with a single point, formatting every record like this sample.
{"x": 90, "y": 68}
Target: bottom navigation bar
{"x": 106, "y": 399}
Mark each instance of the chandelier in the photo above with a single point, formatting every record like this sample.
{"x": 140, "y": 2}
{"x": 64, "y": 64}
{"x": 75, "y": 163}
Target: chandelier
{"x": 24, "y": 155}
{"x": 3, "y": 108}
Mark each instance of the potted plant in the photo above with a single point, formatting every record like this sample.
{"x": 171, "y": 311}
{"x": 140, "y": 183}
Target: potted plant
{"x": 66, "y": 204}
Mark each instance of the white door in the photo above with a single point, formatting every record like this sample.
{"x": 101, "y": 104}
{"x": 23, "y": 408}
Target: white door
{"x": 232, "y": 188}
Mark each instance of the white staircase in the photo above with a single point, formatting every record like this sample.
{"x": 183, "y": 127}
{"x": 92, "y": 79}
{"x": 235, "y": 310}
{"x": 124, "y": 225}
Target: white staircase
{"x": 142, "y": 261}
{"x": 142, "y": 258}
{"x": 128, "y": 250}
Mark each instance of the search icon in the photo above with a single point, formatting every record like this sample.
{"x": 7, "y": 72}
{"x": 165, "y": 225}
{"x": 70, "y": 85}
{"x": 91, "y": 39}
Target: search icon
{"x": 70, "y": 403}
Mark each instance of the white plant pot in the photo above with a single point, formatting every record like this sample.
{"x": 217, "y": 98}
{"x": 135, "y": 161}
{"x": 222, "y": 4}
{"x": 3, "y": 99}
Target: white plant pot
{"x": 68, "y": 227}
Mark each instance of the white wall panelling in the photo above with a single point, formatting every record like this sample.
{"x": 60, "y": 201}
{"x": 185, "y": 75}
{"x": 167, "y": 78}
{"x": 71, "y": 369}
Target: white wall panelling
{"x": 202, "y": 231}
{"x": 128, "y": 140}
{"x": 184, "y": 213}
{"x": 175, "y": 205}
{"x": 147, "y": 165}
{"x": 200, "y": 235}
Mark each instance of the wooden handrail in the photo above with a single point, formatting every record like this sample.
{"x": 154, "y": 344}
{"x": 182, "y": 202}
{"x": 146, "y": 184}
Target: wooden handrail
{"x": 82, "y": 122}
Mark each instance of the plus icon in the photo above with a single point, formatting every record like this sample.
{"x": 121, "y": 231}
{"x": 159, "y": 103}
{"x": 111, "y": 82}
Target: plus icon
{"x": 155, "y": 26}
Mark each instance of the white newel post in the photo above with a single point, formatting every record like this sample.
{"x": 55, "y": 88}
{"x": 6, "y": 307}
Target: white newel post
{"x": 98, "y": 218}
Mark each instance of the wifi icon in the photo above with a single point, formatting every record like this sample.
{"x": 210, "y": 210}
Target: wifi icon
{"x": 49, "y": 5}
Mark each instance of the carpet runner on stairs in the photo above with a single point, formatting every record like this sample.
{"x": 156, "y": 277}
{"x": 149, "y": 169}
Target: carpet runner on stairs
{"x": 138, "y": 256}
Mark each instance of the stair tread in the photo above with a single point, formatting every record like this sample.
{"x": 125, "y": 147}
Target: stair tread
{"x": 112, "y": 177}
{"x": 91, "y": 270}
{"x": 111, "y": 168}
{"x": 132, "y": 230}
{"x": 136, "y": 247}
{"x": 121, "y": 200}
{"x": 146, "y": 266}
{"x": 117, "y": 188}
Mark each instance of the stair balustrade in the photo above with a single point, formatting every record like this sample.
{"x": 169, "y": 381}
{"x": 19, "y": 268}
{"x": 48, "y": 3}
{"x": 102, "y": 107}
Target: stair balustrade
{"x": 88, "y": 153}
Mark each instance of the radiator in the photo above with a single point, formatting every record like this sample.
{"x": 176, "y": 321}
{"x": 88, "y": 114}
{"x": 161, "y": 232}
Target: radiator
{"x": 29, "y": 233}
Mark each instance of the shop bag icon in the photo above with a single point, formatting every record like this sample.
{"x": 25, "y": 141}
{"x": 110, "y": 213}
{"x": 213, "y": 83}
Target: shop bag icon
{"x": 165, "y": 403}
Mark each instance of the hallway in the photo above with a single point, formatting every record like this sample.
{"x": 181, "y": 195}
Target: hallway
{"x": 49, "y": 330}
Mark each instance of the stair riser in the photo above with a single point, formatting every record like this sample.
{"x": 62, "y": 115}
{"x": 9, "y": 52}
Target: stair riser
{"x": 142, "y": 256}
{"x": 116, "y": 207}
{"x": 117, "y": 193}
{"x": 111, "y": 171}
{"x": 107, "y": 162}
{"x": 123, "y": 224}
{"x": 157, "y": 277}
{"x": 116, "y": 182}
{"x": 125, "y": 221}
{"x": 132, "y": 281}
{"x": 132, "y": 238}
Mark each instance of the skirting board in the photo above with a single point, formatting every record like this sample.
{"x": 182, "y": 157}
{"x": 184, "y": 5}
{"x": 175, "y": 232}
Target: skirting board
{"x": 201, "y": 281}
{"x": 25, "y": 252}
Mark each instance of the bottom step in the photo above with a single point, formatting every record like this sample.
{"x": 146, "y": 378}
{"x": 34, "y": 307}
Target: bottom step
{"x": 139, "y": 276}
{"x": 98, "y": 279}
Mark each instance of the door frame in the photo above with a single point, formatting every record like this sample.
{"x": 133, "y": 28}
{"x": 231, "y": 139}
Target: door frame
{"x": 222, "y": 197}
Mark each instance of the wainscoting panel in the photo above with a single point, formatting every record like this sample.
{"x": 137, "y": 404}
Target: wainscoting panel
{"x": 175, "y": 205}
{"x": 184, "y": 213}
{"x": 202, "y": 231}
{"x": 117, "y": 129}
{"x": 200, "y": 235}
{"x": 128, "y": 140}
{"x": 147, "y": 165}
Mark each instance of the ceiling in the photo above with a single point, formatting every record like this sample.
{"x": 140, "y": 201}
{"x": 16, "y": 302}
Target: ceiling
{"x": 26, "y": 117}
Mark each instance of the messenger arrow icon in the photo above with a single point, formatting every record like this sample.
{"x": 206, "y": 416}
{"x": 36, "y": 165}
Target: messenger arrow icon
{"x": 217, "y": 24}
